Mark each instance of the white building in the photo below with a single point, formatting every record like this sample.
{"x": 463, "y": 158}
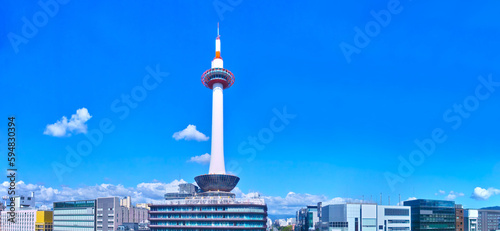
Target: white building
{"x": 393, "y": 218}
{"x": 25, "y": 220}
{"x": 365, "y": 217}
{"x": 470, "y": 219}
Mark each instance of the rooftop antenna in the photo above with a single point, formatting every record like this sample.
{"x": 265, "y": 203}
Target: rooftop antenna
{"x": 400, "y": 199}
{"x": 217, "y": 29}
{"x": 389, "y": 200}
{"x": 380, "y": 198}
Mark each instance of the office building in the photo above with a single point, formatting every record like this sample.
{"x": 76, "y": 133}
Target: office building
{"x": 393, "y": 218}
{"x": 126, "y": 202}
{"x": 108, "y": 214}
{"x": 133, "y": 215}
{"x": 459, "y": 214}
{"x": 471, "y": 220}
{"x": 210, "y": 213}
{"x": 307, "y": 218}
{"x": 27, "y": 218}
{"x": 488, "y": 220}
{"x": 44, "y": 221}
{"x": 24, "y": 220}
{"x": 435, "y": 215}
{"x": 75, "y": 215}
{"x": 364, "y": 217}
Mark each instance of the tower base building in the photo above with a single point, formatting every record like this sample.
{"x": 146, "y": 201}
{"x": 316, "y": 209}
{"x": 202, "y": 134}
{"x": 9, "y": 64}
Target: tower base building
{"x": 209, "y": 214}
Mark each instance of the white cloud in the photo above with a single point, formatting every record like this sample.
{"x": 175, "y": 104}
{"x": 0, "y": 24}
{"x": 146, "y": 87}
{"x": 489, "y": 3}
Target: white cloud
{"x": 292, "y": 202}
{"x": 142, "y": 193}
{"x": 453, "y": 195}
{"x": 190, "y": 133}
{"x": 440, "y": 192}
{"x": 64, "y": 127}
{"x": 484, "y": 194}
{"x": 201, "y": 159}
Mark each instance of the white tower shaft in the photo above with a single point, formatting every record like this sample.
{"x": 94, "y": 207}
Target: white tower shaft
{"x": 217, "y": 157}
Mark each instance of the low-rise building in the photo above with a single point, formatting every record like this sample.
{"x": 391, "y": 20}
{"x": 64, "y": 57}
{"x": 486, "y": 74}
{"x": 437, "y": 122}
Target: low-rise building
{"x": 393, "y": 218}
{"x": 44, "y": 221}
{"x": 471, "y": 220}
{"x": 24, "y": 220}
{"x": 432, "y": 215}
{"x": 75, "y": 215}
{"x": 488, "y": 220}
{"x": 307, "y": 218}
{"x": 364, "y": 217}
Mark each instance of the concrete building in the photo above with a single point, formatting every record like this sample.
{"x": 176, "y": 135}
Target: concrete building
{"x": 133, "y": 215}
{"x": 349, "y": 217}
{"x": 108, "y": 214}
{"x": 393, "y": 218}
{"x": 488, "y": 220}
{"x": 27, "y": 218}
{"x": 209, "y": 214}
{"x": 471, "y": 220}
{"x": 25, "y": 201}
{"x": 142, "y": 205}
{"x": 435, "y": 215}
{"x": 459, "y": 214}
{"x": 126, "y": 202}
{"x": 44, "y": 221}
{"x": 75, "y": 215}
{"x": 101, "y": 214}
{"x": 364, "y": 217}
{"x": 24, "y": 220}
{"x": 307, "y": 218}
{"x": 185, "y": 190}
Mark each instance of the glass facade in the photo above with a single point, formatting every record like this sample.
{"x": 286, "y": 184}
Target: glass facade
{"x": 435, "y": 215}
{"x": 74, "y": 215}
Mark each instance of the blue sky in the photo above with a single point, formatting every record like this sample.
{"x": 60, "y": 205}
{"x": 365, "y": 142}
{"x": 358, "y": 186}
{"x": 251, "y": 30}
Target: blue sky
{"x": 355, "y": 115}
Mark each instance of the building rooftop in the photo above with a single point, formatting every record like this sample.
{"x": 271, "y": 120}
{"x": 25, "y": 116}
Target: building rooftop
{"x": 206, "y": 201}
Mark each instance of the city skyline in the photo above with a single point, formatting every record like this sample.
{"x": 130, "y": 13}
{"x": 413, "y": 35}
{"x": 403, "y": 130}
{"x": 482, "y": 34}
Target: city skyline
{"x": 306, "y": 120}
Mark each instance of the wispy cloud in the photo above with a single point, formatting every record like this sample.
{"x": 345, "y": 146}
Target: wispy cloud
{"x": 201, "y": 159}
{"x": 64, "y": 127}
{"x": 453, "y": 195}
{"x": 484, "y": 194}
{"x": 190, "y": 133}
{"x": 440, "y": 192}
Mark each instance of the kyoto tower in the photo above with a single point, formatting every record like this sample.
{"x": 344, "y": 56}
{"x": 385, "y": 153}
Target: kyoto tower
{"x": 217, "y": 78}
